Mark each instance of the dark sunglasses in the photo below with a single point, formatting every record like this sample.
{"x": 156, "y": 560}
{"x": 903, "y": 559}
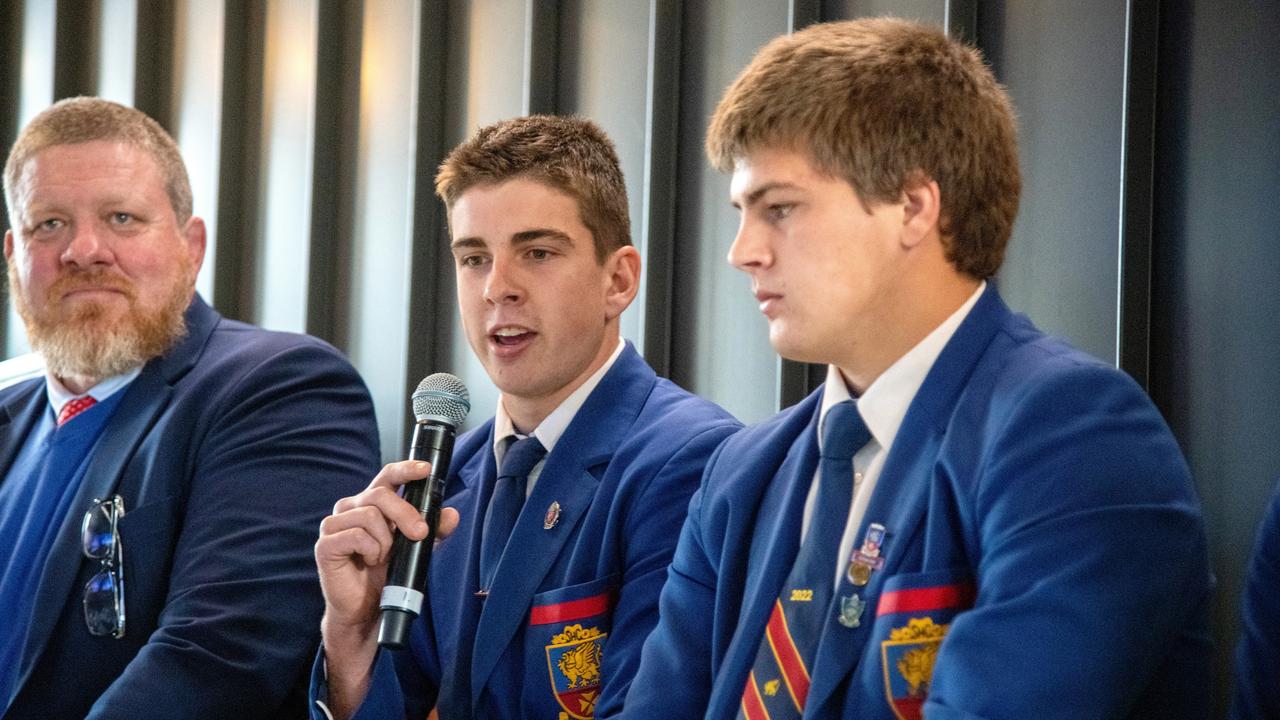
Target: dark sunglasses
{"x": 104, "y": 593}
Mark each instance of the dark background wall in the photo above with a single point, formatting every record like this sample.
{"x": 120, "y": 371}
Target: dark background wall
{"x": 1215, "y": 364}
{"x": 312, "y": 129}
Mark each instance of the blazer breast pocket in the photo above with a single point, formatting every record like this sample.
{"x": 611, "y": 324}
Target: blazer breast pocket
{"x": 147, "y": 537}
{"x": 564, "y": 644}
{"x": 913, "y": 615}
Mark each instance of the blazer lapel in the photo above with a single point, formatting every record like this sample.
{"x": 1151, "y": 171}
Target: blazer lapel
{"x": 776, "y": 538}
{"x": 477, "y": 477}
{"x": 901, "y": 496}
{"x": 570, "y": 477}
{"x": 144, "y": 399}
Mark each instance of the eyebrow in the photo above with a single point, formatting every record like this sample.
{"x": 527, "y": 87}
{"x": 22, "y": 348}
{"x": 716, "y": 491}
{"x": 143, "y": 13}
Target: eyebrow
{"x": 754, "y": 195}
{"x": 523, "y": 237}
{"x": 528, "y": 236}
{"x": 466, "y": 242}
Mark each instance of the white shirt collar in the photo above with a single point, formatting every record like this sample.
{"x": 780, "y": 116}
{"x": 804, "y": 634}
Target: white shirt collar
{"x": 553, "y": 426}
{"x": 885, "y": 402}
{"x": 59, "y": 395}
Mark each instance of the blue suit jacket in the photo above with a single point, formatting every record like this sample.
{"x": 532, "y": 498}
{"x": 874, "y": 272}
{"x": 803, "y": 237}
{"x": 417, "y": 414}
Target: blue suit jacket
{"x": 1257, "y": 693}
{"x": 1039, "y": 516}
{"x": 227, "y": 451}
{"x": 562, "y": 627}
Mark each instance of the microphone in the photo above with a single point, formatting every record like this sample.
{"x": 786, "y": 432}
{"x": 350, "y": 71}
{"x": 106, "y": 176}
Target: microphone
{"x": 440, "y": 404}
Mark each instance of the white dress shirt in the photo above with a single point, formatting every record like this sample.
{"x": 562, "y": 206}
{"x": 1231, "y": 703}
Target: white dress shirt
{"x": 59, "y": 395}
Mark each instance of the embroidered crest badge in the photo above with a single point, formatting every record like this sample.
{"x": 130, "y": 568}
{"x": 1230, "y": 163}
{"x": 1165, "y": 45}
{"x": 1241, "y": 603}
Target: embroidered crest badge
{"x": 573, "y": 657}
{"x": 908, "y": 657}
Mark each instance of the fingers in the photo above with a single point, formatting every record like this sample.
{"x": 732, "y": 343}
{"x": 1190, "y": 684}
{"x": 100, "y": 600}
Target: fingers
{"x": 336, "y": 548}
{"x": 392, "y": 511}
{"x": 392, "y": 475}
{"x": 448, "y": 522}
{"x": 367, "y": 518}
{"x": 399, "y": 473}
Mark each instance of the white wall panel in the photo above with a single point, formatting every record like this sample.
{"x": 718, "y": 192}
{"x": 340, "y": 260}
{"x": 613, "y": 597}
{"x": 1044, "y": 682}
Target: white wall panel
{"x": 287, "y": 137}
{"x": 197, "y": 109}
{"x": 380, "y": 293}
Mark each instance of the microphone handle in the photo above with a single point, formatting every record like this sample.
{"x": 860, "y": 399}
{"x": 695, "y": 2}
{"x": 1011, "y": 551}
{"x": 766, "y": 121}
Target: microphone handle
{"x": 402, "y": 597}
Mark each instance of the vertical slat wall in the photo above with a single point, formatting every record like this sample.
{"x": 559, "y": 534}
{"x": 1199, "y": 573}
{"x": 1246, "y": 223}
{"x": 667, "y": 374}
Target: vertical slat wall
{"x": 603, "y": 73}
{"x": 313, "y": 129}
{"x": 1137, "y": 189}
{"x": 11, "y": 28}
{"x": 115, "y": 61}
{"x": 281, "y": 262}
{"x": 427, "y": 330}
{"x": 334, "y": 139}
{"x": 720, "y": 346}
{"x": 381, "y": 299}
{"x": 195, "y": 100}
{"x": 238, "y": 235}
{"x": 651, "y": 323}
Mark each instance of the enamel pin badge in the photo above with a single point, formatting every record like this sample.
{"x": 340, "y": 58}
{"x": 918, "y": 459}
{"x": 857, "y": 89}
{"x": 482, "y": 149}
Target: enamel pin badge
{"x": 851, "y": 608}
{"x": 867, "y": 558}
{"x": 552, "y": 517}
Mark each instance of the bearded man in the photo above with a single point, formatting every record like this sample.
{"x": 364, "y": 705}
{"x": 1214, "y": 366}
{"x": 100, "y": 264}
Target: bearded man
{"x": 160, "y": 486}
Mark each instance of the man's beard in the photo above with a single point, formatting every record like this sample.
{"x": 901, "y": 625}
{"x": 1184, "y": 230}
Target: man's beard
{"x": 85, "y": 340}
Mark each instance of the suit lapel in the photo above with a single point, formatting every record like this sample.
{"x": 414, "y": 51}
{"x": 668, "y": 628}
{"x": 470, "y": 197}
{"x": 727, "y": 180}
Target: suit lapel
{"x": 16, "y": 420}
{"x": 570, "y": 477}
{"x": 900, "y": 501}
{"x": 144, "y": 399}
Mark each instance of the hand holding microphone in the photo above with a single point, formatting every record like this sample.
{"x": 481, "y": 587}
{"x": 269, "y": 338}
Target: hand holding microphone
{"x": 440, "y": 404}
{"x": 379, "y": 538}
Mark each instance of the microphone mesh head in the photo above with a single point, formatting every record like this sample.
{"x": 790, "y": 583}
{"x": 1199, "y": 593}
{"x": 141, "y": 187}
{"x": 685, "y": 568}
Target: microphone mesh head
{"x": 443, "y": 398}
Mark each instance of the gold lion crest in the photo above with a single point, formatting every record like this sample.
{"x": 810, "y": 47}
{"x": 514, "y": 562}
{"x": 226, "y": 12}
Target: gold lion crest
{"x": 908, "y": 658}
{"x": 576, "y": 654}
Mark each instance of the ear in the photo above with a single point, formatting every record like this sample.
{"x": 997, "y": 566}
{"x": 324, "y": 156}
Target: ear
{"x": 8, "y": 246}
{"x": 194, "y": 235}
{"x": 622, "y": 280}
{"x": 922, "y": 208}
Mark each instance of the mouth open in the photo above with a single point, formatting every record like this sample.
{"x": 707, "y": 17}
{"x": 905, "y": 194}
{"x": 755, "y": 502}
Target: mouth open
{"x": 511, "y": 337}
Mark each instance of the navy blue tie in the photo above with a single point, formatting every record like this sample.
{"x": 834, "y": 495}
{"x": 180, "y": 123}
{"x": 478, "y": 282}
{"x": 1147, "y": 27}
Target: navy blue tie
{"x": 778, "y": 685}
{"x": 508, "y": 499}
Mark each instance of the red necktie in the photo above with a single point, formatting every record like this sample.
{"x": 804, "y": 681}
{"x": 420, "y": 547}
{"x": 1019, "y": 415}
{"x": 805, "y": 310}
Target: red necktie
{"x": 75, "y": 407}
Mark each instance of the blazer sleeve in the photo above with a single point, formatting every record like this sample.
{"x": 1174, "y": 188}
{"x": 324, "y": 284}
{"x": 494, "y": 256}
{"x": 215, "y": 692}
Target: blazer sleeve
{"x": 675, "y": 672}
{"x": 1257, "y": 693}
{"x": 383, "y": 701}
{"x": 282, "y": 442}
{"x": 1091, "y": 558}
{"x": 654, "y": 520}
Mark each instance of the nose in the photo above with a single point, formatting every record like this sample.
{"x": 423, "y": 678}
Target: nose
{"x": 750, "y": 249}
{"x": 501, "y": 285}
{"x": 87, "y": 247}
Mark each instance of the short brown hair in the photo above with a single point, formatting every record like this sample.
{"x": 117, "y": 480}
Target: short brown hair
{"x": 876, "y": 102}
{"x": 85, "y": 119}
{"x": 570, "y": 154}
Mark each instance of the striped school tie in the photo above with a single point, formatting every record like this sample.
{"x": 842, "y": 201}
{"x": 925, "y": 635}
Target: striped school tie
{"x": 778, "y": 684}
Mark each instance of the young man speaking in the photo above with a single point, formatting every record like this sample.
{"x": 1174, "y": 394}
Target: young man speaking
{"x": 593, "y": 457}
{"x": 969, "y": 519}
